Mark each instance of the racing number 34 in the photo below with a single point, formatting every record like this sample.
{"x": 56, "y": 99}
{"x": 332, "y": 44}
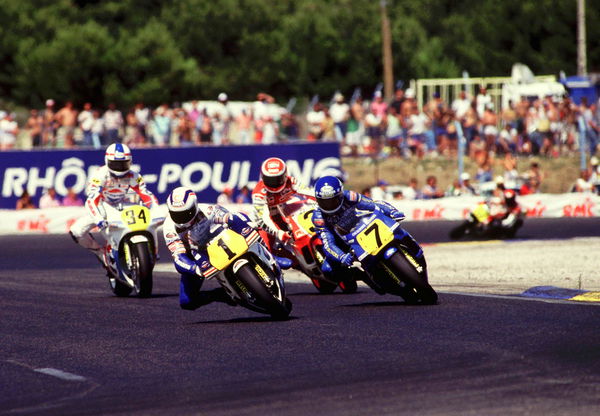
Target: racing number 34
{"x": 132, "y": 218}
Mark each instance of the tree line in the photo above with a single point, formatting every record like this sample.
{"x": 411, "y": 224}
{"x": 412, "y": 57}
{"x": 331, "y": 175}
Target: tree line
{"x": 156, "y": 51}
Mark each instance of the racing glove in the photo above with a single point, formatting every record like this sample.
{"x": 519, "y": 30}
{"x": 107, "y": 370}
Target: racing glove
{"x": 397, "y": 215}
{"x": 347, "y": 259}
{"x": 283, "y": 236}
{"x": 184, "y": 264}
{"x": 102, "y": 224}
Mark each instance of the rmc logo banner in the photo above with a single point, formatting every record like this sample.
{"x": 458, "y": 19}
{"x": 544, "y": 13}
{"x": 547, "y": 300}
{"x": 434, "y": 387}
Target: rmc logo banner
{"x": 207, "y": 170}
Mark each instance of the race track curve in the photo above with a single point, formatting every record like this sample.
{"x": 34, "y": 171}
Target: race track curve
{"x": 71, "y": 348}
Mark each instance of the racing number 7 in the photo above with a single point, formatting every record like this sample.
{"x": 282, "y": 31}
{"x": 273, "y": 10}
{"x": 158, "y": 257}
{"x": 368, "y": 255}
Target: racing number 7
{"x": 374, "y": 228}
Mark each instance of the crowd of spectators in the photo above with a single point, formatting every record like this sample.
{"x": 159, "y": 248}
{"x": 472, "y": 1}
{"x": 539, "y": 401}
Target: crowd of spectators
{"x": 543, "y": 126}
{"x": 546, "y": 126}
{"x": 50, "y": 199}
{"x": 193, "y": 123}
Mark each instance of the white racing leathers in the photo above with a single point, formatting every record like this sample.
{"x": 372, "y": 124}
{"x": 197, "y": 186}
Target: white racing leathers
{"x": 105, "y": 188}
{"x": 195, "y": 237}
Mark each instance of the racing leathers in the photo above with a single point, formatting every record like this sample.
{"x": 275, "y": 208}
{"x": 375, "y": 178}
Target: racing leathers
{"x": 188, "y": 248}
{"x": 266, "y": 207}
{"x": 106, "y": 188}
{"x": 328, "y": 226}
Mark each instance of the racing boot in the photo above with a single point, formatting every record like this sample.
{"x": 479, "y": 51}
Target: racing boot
{"x": 284, "y": 263}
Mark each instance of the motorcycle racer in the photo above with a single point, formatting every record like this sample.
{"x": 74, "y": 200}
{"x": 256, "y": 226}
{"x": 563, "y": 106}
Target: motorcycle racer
{"x": 275, "y": 188}
{"x": 505, "y": 211}
{"x": 109, "y": 185}
{"x": 337, "y": 210}
{"x": 187, "y": 232}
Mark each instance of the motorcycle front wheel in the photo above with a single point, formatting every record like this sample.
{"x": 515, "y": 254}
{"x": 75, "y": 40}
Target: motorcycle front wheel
{"x": 141, "y": 270}
{"x": 265, "y": 298}
{"x": 417, "y": 288}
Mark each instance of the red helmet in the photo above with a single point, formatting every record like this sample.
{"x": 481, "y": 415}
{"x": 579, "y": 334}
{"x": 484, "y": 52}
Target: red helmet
{"x": 273, "y": 173}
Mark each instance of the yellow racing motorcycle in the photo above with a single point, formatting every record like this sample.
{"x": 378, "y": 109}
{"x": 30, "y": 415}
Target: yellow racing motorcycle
{"x": 239, "y": 260}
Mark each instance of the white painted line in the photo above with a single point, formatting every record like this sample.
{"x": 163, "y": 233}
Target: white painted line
{"x": 60, "y": 374}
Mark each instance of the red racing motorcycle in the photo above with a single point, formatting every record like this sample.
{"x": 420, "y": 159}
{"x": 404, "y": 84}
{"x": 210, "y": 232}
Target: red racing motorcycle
{"x": 307, "y": 247}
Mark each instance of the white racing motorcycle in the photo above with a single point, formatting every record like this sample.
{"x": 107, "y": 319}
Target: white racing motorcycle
{"x": 133, "y": 249}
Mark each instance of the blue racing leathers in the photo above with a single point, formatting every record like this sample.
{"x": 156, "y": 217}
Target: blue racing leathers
{"x": 330, "y": 226}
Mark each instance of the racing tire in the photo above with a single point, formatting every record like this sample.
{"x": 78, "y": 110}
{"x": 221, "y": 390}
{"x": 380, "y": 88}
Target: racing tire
{"x": 323, "y": 287}
{"x": 348, "y": 286}
{"x": 118, "y": 288}
{"x": 141, "y": 272}
{"x": 248, "y": 278}
{"x": 416, "y": 283}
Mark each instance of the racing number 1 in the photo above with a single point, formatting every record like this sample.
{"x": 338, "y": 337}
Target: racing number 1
{"x": 226, "y": 249}
{"x": 374, "y": 228}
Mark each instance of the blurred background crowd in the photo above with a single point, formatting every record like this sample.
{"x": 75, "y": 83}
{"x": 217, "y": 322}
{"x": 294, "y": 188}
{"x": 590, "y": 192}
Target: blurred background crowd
{"x": 400, "y": 128}
{"x": 543, "y": 126}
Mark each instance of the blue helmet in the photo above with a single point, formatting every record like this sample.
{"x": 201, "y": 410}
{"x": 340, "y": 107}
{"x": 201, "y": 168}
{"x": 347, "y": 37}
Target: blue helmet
{"x": 329, "y": 192}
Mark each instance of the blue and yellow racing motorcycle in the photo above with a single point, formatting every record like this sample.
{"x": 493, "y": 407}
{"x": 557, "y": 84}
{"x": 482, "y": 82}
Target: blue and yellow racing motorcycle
{"x": 392, "y": 261}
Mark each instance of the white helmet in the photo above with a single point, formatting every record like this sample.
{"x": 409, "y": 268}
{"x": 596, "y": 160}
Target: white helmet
{"x": 183, "y": 206}
{"x": 118, "y": 159}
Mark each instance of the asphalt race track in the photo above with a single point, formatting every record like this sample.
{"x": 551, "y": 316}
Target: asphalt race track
{"x": 69, "y": 347}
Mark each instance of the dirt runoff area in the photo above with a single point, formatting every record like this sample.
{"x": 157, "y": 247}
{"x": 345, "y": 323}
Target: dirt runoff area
{"x": 511, "y": 267}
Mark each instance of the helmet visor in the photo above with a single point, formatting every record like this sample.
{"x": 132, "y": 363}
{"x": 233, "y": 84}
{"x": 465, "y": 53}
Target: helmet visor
{"x": 274, "y": 182}
{"x": 119, "y": 165}
{"x": 330, "y": 204}
{"x": 183, "y": 217}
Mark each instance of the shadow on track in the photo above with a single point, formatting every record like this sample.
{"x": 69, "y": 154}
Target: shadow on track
{"x": 257, "y": 319}
{"x": 376, "y": 304}
{"x": 317, "y": 294}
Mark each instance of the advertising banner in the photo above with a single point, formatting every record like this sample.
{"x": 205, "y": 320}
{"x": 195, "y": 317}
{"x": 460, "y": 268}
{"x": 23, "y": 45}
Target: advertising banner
{"x": 58, "y": 220}
{"x": 207, "y": 170}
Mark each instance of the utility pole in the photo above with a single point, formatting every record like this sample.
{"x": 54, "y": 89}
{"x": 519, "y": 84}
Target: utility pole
{"x": 388, "y": 69}
{"x": 581, "y": 45}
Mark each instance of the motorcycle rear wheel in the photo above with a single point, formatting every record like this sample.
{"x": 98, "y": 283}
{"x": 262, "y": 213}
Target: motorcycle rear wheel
{"x": 323, "y": 286}
{"x": 459, "y": 231}
{"x": 267, "y": 300}
{"x": 118, "y": 288}
{"x": 349, "y": 286}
